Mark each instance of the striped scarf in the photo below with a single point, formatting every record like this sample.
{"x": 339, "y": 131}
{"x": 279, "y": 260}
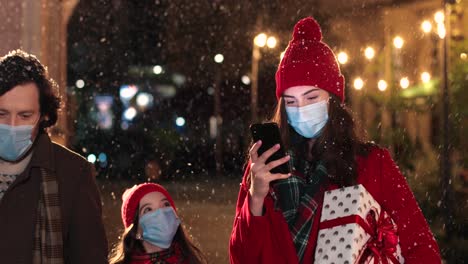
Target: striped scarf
{"x": 172, "y": 255}
{"x": 48, "y": 241}
{"x": 297, "y": 198}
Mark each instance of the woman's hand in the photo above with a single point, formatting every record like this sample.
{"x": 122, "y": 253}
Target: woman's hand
{"x": 260, "y": 176}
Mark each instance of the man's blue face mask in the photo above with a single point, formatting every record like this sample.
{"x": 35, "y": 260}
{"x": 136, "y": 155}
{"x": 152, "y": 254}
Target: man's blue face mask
{"x": 15, "y": 141}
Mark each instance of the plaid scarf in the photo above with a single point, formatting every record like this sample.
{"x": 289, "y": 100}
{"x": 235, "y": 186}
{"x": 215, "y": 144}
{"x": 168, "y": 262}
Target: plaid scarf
{"x": 172, "y": 255}
{"x": 296, "y": 197}
{"x": 48, "y": 241}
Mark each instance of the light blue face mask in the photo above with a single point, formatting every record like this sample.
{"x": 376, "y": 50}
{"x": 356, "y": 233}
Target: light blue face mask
{"x": 308, "y": 121}
{"x": 15, "y": 141}
{"x": 159, "y": 227}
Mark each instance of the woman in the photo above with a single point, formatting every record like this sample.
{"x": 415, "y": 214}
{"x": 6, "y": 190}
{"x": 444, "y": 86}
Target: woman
{"x": 153, "y": 233}
{"x": 277, "y": 215}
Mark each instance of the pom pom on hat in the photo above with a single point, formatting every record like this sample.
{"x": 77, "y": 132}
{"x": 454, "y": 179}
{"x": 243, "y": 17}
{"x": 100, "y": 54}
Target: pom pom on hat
{"x": 309, "y": 61}
{"x": 307, "y": 29}
{"x": 131, "y": 200}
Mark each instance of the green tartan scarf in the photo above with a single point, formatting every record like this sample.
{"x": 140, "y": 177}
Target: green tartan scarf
{"x": 297, "y": 198}
{"x": 48, "y": 240}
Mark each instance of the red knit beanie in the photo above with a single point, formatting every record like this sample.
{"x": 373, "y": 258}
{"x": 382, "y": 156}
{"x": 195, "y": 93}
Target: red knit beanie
{"x": 309, "y": 61}
{"x": 131, "y": 199}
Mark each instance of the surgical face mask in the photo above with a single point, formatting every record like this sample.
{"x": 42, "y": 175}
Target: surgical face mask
{"x": 159, "y": 227}
{"x": 15, "y": 141}
{"x": 308, "y": 120}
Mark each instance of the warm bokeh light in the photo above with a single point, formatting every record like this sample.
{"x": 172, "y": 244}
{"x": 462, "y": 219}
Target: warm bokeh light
{"x": 426, "y": 26}
{"x": 398, "y": 42}
{"x": 271, "y": 42}
{"x": 245, "y": 80}
{"x": 382, "y": 85}
{"x": 358, "y": 83}
{"x": 425, "y": 77}
{"x": 219, "y": 58}
{"x": 369, "y": 52}
{"x": 260, "y": 40}
{"x": 404, "y": 82}
{"x": 441, "y": 30}
{"x": 157, "y": 69}
{"x": 342, "y": 57}
{"x": 463, "y": 56}
{"x": 80, "y": 84}
{"x": 439, "y": 17}
{"x": 144, "y": 100}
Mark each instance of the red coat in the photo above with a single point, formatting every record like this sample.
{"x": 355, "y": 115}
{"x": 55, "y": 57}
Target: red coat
{"x": 266, "y": 239}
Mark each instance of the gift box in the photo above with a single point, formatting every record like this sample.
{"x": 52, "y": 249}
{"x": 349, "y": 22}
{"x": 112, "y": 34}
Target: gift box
{"x": 354, "y": 229}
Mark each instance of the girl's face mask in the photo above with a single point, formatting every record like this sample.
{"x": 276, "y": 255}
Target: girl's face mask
{"x": 160, "y": 226}
{"x": 308, "y": 120}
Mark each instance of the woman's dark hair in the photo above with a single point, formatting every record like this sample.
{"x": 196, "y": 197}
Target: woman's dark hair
{"x": 128, "y": 244}
{"x": 337, "y": 147}
{"x": 19, "y": 68}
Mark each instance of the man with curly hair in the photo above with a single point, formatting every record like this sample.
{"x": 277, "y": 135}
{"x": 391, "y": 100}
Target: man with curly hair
{"x": 50, "y": 208}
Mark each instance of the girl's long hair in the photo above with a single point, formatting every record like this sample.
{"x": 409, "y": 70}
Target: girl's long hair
{"x": 129, "y": 244}
{"x": 338, "y": 146}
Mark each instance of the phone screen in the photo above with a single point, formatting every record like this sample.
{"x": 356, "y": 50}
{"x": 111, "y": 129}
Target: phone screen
{"x": 270, "y": 135}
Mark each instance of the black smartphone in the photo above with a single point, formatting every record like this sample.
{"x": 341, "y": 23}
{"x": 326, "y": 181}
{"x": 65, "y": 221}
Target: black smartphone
{"x": 269, "y": 134}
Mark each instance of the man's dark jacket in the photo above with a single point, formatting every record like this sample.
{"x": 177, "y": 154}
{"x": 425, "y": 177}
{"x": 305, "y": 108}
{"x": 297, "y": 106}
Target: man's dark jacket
{"x": 84, "y": 237}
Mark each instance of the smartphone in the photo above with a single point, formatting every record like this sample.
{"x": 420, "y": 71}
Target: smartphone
{"x": 269, "y": 134}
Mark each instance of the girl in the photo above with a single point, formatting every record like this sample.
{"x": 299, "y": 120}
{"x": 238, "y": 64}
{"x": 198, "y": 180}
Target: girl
{"x": 277, "y": 215}
{"x": 153, "y": 233}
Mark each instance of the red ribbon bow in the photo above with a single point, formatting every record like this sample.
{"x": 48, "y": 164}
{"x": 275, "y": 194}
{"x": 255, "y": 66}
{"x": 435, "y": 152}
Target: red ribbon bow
{"x": 383, "y": 240}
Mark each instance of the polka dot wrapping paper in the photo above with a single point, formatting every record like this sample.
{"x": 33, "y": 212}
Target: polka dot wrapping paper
{"x": 339, "y": 243}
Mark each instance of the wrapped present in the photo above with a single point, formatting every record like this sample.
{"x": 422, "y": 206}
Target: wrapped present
{"x": 354, "y": 229}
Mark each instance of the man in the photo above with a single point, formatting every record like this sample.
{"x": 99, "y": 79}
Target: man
{"x": 50, "y": 208}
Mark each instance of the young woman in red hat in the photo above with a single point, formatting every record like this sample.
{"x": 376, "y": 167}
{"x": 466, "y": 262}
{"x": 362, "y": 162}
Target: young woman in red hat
{"x": 277, "y": 215}
{"x": 153, "y": 232}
